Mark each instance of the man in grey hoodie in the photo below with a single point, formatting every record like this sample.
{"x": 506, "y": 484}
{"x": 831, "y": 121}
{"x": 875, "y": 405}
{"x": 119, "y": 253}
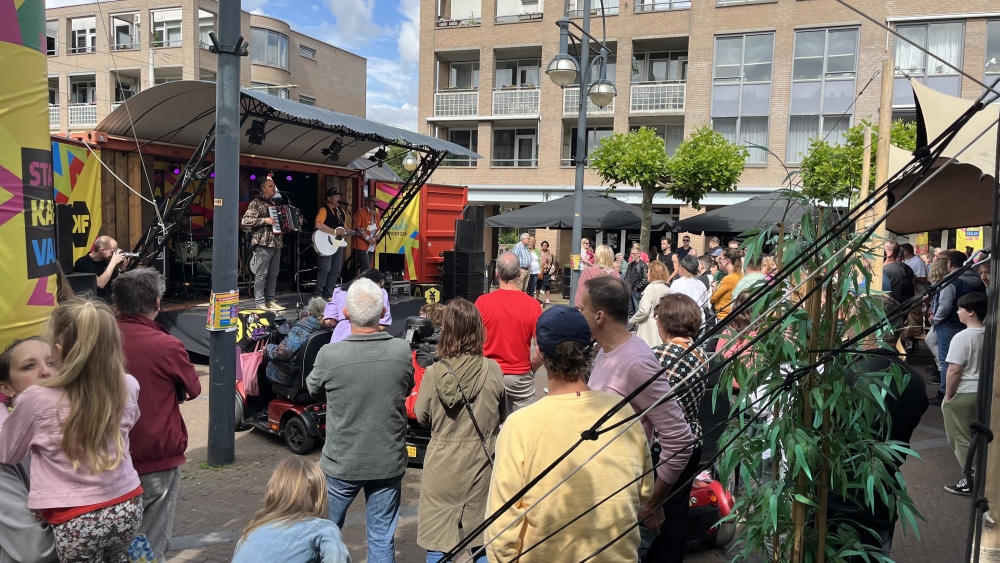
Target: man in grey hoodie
{"x": 945, "y": 320}
{"x": 23, "y": 537}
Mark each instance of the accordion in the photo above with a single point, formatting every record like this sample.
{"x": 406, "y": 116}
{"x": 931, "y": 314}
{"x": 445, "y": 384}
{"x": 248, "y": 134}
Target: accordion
{"x": 287, "y": 219}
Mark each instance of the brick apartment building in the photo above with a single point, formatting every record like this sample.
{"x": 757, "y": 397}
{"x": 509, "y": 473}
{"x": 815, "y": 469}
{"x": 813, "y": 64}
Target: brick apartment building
{"x": 100, "y": 54}
{"x": 770, "y": 72}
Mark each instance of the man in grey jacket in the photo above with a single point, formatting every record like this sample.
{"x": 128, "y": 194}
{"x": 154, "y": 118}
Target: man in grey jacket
{"x": 23, "y": 537}
{"x": 366, "y": 379}
{"x": 945, "y": 321}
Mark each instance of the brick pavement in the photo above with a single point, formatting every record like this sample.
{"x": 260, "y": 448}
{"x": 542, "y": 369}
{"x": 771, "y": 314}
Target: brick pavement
{"x": 214, "y": 504}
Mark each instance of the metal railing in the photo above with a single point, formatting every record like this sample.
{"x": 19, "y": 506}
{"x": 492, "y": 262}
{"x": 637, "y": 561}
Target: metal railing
{"x": 77, "y": 50}
{"x": 455, "y": 103}
{"x": 571, "y": 104}
{"x": 511, "y": 18}
{"x": 462, "y": 22}
{"x": 125, "y": 46}
{"x": 53, "y": 117}
{"x": 578, "y": 13}
{"x": 459, "y": 162}
{"x": 662, "y": 97}
{"x": 516, "y": 101}
{"x": 643, "y": 6}
{"x": 115, "y": 105}
{"x": 515, "y": 162}
{"x": 82, "y": 115}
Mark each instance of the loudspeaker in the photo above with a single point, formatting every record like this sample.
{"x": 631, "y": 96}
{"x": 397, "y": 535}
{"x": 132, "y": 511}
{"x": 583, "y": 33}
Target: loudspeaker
{"x": 394, "y": 263}
{"x": 464, "y": 262}
{"x": 477, "y": 214}
{"x": 82, "y": 282}
{"x": 465, "y": 236}
{"x": 567, "y": 273}
{"x": 64, "y": 236}
{"x": 464, "y": 284}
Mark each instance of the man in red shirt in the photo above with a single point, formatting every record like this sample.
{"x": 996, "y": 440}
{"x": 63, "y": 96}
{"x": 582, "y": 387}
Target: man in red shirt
{"x": 510, "y": 315}
{"x": 160, "y": 364}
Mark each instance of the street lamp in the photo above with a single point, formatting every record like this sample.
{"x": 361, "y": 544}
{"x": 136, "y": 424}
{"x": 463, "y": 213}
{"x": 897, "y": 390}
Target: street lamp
{"x": 563, "y": 70}
{"x": 410, "y": 162}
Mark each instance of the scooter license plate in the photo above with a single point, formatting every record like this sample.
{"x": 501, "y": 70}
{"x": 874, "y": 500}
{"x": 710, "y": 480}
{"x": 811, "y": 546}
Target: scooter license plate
{"x": 411, "y": 451}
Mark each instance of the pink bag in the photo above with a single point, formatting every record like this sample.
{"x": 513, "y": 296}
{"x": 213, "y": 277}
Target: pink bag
{"x": 249, "y": 362}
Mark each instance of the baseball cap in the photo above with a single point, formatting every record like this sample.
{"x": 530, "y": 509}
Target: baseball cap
{"x": 332, "y": 192}
{"x": 560, "y": 324}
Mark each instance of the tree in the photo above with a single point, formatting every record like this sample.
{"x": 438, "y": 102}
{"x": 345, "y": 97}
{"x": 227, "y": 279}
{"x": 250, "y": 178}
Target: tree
{"x": 705, "y": 162}
{"x": 395, "y": 161}
{"x": 833, "y": 171}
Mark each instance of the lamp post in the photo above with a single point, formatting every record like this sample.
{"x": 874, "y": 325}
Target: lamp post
{"x": 563, "y": 70}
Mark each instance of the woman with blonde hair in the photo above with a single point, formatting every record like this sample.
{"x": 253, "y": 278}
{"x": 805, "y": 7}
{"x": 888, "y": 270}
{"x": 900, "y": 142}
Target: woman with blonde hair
{"x": 462, "y": 399}
{"x": 75, "y": 426}
{"x": 586, "y": 253}
{"x": 644, "y": 318}
{"x": 937, "y": 271}
{"x": 604, "y": 265}
{"x": 292, "y": 527}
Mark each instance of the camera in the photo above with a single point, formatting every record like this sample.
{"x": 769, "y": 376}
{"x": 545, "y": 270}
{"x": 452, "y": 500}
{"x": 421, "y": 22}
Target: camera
{"x": 129, "y": 255}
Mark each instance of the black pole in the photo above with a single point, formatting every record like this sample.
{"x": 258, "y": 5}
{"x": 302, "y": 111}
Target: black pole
{"x": 222, "y": 354}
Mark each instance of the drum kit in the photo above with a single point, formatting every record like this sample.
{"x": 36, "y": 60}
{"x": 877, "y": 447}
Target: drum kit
{"x": 197, "y": 257}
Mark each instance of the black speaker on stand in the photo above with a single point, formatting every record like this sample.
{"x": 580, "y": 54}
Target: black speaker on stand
{"x": 464, "y": 274}
{"x": 477, "y": 214}
{"x": 465, "y": 236}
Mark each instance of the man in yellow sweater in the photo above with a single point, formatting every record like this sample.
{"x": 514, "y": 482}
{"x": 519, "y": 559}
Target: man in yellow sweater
{"x": 537, "y": 435}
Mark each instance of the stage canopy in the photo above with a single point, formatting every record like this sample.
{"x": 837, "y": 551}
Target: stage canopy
{"x": 599, "y": 212}
{"x": 962, "y": 194}
{"x": 762, "y": 211}
{"x": 183, "y": 112}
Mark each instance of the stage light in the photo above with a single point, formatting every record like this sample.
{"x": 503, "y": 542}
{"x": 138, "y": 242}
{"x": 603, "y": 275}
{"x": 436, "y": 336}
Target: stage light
{"x": 289, "y": 178}
{"x": 177, "y": 170}
{"x": 256, "y": 132}
{"x": 410, "y": 162}
{"x": 253, "y": 176}
{"x": 212, "y": 174}
{"x": 333, "y": 152}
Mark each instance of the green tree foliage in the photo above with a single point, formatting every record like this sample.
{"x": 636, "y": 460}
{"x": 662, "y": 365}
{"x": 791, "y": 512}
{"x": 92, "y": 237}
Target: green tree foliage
{"x": 395, "y": 161}
{"x": 703, "y": 163}
{"x": 833, "y": 171}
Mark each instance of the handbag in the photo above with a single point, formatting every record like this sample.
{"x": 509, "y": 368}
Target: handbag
{"x": 140, "y": 551}
{"x": 468, "y": 408}
{"x": 249, "y": 363}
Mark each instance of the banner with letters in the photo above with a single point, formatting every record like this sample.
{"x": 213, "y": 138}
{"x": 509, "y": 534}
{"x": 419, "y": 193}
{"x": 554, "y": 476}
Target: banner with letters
{"x": 27, "y": 212}
{"x": 404, "y": 236}
{"x": 971, "y": 237}
{"x": 76, "y": 174}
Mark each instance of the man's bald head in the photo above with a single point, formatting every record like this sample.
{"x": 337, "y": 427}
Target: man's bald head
{"x": 104, "y": 242}
{"x": 508, "y": 267}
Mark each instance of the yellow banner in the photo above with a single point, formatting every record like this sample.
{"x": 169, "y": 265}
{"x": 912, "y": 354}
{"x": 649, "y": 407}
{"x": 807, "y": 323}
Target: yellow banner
{"x": 971, "y": 237}
{"x": 922, "y": 244}
{"x": 77, "y": 175}
{"x": 404, "y": 236}
{"x": 27, "y": 212}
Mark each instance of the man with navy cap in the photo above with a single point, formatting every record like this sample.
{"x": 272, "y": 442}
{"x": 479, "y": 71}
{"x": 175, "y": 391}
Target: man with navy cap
{"x": 331, "y": 219}
{"x": 535, "y": 436}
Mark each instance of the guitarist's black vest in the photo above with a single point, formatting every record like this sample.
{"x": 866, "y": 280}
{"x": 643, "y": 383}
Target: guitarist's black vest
{"x": 334, "y": 217}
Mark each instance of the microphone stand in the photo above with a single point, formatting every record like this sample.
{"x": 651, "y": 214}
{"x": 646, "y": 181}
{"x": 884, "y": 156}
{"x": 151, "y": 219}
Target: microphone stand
{"x": 297, "y": 265}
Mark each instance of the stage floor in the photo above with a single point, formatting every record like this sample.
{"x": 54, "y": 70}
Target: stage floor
{"x": 186, "y": 320}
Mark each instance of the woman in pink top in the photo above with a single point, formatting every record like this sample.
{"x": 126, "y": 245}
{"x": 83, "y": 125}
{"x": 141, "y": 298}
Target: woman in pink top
{"x": 82, "y": 479}
{"x": 604, "y": 265}
{"x": 587, "y": 253}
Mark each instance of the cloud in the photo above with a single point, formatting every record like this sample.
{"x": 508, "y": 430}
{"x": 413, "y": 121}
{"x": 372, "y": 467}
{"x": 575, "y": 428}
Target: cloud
{"x": 258, "y": 12}
{"x": 408, "y": 40}
{"x": 392, "y": 92}
{"x": 354, "y": 22}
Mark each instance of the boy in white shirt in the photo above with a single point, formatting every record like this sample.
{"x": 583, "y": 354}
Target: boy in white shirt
{"x": 959, "y": 406}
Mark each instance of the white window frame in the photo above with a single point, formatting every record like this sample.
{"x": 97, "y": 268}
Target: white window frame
{"x": 757, "y": 156}
{"x": 307, "y": 52}
{"x": 645, "y": 75}
{"x": 131, "y": 20}
{"x": 89, "y": 36}
{"x": 923, "y": 75}
{"x": 825, "y": 119}
{"x": 453, "y": 75}
{"x": 992, "y": 66}
{"x": 522, "y": 66}
{"x": 90, "y": 90}
{"x": 473, "y": 145}
{"x": 519, "y": 134}
{"x": 49, "y": 29}
{"x": 206, "y": 24}
{"x": 307, "y": 100}
{"x": 263, "y": 53}
{"x": 165, "y": 27}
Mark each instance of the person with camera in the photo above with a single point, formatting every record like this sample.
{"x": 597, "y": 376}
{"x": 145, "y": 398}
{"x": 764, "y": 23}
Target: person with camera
{"x": 105, "y": 260}
{"x": 159, "y": 362}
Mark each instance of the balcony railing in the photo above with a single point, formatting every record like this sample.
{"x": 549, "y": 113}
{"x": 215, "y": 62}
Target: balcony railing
{"x": 115, "y": 105}
{"x": 516, "y": 101}
{"x": 658, "y": 98}
{"x": 571, "y": 104}
{"x": 53, "y": 117}
{"x": 643, "y": 6}
{"x": 456, "y": 103}
{"x": 511, "y": 18}
{"x": 459, "y": 161}
{"x": 578, "y": 13}
{"x": 82, "y": 49}
{"x": 125, "y": 46}
{"x": 82, "y": 115}
{"x": 464, "y": 22}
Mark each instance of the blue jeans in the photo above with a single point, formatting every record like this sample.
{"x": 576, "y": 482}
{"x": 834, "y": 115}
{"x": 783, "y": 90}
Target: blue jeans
{"x": 328, "y": 274}
{"x": 381, "y": 510}
{"x": 944, "y": 334}
{"x": 435, "y": 556}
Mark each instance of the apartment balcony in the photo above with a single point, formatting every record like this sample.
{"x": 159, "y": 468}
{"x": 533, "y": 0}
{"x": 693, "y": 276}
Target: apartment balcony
{"x": 115, "y": 105}
{"x": 514, "y": 18}
{"x": 658, "y": 98}
{"x": 53, "y": 118}
{"x": 465, "y": 22}
{"x": 82, "y": 116}
{"x": 456, "y": 103}
{"x": 643, "y": 6}
{"x": 609, "y": 10}
{"x": 516, "y": 101}
{"x": 571, "y": 104}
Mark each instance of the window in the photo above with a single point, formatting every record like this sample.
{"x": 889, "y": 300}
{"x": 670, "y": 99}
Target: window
{"x": 612, "y": 68}
{"x": 279, "y": 92}
{"x": 594, "y": 136}
{"x": 52, "y": 37}
{"x": 307, "y": 100}
{"x": 741, "y": 90}
{"x": 466, "y": 138}
{"x": 824, "y": 70}
{"x": 660, "y": 67}
{"x": 464, "y": 76}
{"x": 166, "y": 28}
{"x": 672, "y": 135}
{"x": 268, "y": 47}
{"x": 165, "y": 79}
{"x": 524, "y": 73}
{"x": 84, "y": 35}
{"x": 515, "y": 147}
{"x": 206, "y": 25}
{"x": 125, "y": 31}
{"x": 206, "y": 76}
{"x": 307, "y": 52}
{"x": 992, "y": 54}
{"x": 944, "y": 40}
{"x": 83, "y": 91}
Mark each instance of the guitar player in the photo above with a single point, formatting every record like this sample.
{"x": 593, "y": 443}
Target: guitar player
{"x": 364, "y": 245}
{"x": 330, "y": 219}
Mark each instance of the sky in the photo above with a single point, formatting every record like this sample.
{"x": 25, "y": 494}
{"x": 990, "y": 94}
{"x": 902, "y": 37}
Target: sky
{"x": 386, "y": 32}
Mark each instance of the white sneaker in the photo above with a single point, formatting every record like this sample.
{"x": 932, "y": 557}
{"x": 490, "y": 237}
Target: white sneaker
{"x": 273, "y": 306}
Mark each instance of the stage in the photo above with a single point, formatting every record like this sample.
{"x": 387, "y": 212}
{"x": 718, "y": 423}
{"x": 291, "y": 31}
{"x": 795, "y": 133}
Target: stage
{"x": 186, "y": 320}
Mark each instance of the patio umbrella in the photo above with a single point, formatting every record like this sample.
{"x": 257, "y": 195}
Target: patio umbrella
{"x": 962, "y": 194}
{"x": 760, "y": 211}
{"x": 599, "y": 212}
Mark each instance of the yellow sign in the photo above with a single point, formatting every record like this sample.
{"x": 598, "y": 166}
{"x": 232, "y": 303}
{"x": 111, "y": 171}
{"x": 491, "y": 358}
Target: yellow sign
{"x": 971, "y": 237}
{"x": 411, "y": 451}
{"x": 432, "y": 295}
{"x": 223, "y": 309}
